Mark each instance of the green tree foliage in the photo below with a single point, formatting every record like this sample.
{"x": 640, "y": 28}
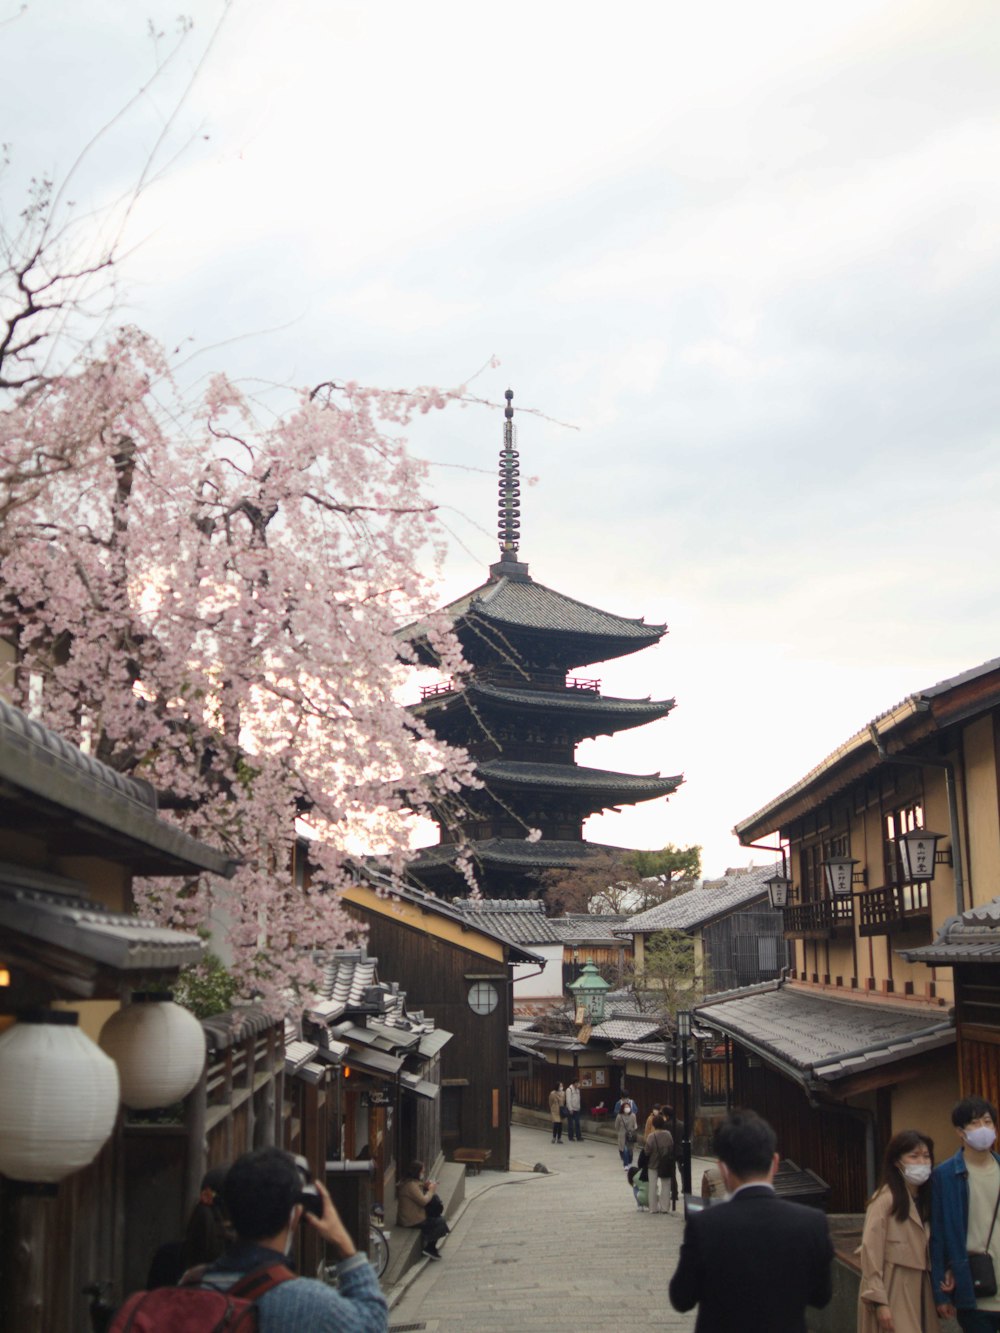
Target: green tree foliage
{"x": 671, "y": 977}
{"x": 207, "y": 988}
{"x": 622, "y": 882}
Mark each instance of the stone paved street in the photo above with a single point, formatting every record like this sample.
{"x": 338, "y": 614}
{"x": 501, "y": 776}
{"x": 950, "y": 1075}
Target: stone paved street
{"x": 549, "y": 1252}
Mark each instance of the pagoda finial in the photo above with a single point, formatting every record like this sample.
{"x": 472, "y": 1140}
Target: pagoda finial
{"x": 509, "y": 512}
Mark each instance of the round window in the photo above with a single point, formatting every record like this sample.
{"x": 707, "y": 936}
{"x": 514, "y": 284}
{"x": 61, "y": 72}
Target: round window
{"x": 483, "y": 998}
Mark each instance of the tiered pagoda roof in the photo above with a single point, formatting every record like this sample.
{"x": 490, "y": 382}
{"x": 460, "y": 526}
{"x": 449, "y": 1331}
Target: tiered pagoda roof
{"x": 521, "y": 715}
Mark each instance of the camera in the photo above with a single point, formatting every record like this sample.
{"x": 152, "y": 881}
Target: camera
{"x": 309, "y": 1196}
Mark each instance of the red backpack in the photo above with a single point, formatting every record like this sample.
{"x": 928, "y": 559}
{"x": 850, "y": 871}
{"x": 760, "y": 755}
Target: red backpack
{"x": 191, "y": 1308}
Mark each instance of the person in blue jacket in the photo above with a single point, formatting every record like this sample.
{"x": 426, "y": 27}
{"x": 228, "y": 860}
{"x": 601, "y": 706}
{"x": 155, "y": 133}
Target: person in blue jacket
{"x": 965, "y": 1200}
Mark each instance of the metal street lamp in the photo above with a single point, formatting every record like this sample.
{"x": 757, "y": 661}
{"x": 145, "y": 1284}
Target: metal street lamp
{"x": 684, "y": 1037}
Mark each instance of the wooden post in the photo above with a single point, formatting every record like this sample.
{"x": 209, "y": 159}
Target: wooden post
{"x": 29, "y": 1210}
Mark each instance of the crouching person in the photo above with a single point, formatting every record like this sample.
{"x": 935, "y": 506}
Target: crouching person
{"x": 419, "y": 1206}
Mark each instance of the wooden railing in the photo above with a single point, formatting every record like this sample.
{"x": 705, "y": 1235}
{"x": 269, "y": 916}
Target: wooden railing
{"x": 537, "y": 680}
{"x": 892, "y": 906}
{"x": 818, "y": 920}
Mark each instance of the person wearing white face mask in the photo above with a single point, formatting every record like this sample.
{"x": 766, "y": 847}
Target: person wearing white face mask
{"x": 965, "y": 1201}
{"x": 896, "y": 1294}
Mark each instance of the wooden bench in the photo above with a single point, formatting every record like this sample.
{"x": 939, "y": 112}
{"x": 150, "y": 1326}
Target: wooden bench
{"x": 472, "y": 1157}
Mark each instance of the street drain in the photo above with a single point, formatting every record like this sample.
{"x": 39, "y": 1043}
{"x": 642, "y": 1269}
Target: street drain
{"x": 406, "y": 1328}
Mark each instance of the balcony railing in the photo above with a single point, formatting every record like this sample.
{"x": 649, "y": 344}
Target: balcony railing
{"x": 819, "y": 920}
{"x": 893, "y": 907}
{"x": 538, "y": 680}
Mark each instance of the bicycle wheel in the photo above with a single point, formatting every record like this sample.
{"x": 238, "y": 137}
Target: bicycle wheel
{"x": 378, "y": 1250}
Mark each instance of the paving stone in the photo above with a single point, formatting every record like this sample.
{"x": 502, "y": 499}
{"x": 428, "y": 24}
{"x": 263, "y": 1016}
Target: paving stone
{"x": 532, "y": 1253}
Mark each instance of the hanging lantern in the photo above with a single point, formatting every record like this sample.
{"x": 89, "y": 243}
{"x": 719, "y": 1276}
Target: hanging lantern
{"x": 58, "y": 1097}
{"x": 778, "y": 888}
{"x": 840, "y": 874}
{"x": 159, "y": 1048}
{"x": 917, "y": 850}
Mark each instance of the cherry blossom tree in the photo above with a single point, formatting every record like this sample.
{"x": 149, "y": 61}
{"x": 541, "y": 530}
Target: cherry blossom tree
{"x": 209, "y": 603}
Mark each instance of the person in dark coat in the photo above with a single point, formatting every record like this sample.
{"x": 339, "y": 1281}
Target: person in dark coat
{"x": 752, "y": 1264}
{"x": 206, "y": 1236}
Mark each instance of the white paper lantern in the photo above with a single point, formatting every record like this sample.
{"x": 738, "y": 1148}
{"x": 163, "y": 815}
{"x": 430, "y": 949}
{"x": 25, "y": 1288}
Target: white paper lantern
{"x": 159, "y": 1048}
{"x": 58, "y": 1098}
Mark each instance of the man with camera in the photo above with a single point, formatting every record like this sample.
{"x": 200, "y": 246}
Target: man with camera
{"x": 266, "y": 1194}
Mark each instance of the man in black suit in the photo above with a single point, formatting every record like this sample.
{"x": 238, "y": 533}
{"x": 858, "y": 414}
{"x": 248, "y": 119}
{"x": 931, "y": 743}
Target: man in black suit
{"x": 754, "y": 1263}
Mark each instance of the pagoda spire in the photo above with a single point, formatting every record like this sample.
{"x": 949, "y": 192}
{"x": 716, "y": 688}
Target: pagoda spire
{"x": 509, "y": 528}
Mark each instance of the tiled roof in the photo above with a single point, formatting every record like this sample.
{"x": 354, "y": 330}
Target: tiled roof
{"x": 973, "y": 937}
{"x": 347, "y": 975}
{"x": 696, "y": 906}
{"x": 429, "y": 902}
{"x": 819, "y": 1039}
{"x": 638, "y": 711}
{"x": 653, "y": 1052}
{"x": 551, "y": 1041}
{"x": 548, "y": 853}
{"x": 246, "y": 1020}
{"x": 886, "y": 722}
{"x": 525, "y": 1043}
{"x": 622, "y": 1002}
{"x": 525, "y": 604}
{"x": 40, "y": 763}
{"x": 58, "y": 913}
{"x": 591, "y": 927}
{"x": 523, "y": 921}
{"x": 619, "y": 1028}
{"x": 573, "y": 777}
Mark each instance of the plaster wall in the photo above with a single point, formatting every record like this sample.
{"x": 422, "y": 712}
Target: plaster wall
{"x": 982, "y": 810}
{"x": 529, "y": 984}
{"x": 925, "y": 1103}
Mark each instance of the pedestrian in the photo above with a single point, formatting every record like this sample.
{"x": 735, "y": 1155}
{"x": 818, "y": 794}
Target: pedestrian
{"x": 752, "y": 1265}
{"x": 205, "y": 1237}
{"x": 638, "y": 1178}
{"x": 896, "y": 1295}
{"x": 628, "y": 1132}
{"x": 264, "y": 1193}
{"x": 660, "y": 1154}
{"x": 573, "y": 1112}
{"x": 965, "y": 1198}
{"x": 648, "y": 1127}
{"x": 420, "y": 1206}
{"x": 621, "y": 1102}
{"x": 557, "y": 1109}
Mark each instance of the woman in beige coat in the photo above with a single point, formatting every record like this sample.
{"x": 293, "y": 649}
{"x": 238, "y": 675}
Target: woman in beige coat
{"x": 896, "y": 1294}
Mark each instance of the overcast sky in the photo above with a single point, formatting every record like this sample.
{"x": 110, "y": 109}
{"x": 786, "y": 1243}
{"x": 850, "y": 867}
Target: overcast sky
{"x": 748, "y": 253}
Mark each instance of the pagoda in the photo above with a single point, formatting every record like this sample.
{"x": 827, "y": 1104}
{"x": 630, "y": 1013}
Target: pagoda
{"x": 520, "y": 713}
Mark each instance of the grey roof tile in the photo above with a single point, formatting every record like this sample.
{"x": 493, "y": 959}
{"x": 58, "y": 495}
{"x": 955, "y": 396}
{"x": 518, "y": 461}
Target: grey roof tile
{"x": 822, "y": 1038}
{"x": 547, "y": 853}
{"x": 57, "y": 912}
{"x": 595, "y": 927}
{"x": 973, "y": 937}
{"x": 696, "y": 906}
{"x": 522, "y": 921}
{"x": 38, "y": 761}
{"x": 652, "y": 1052}
{"x": 621, "y": 1029}
{"x": 573, "y": 777}
{"x": 525, "y": 604}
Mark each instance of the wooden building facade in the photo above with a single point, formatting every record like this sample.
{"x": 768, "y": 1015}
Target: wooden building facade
{"x": 459, "y": 974}
{"x": 861, "y": 929}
